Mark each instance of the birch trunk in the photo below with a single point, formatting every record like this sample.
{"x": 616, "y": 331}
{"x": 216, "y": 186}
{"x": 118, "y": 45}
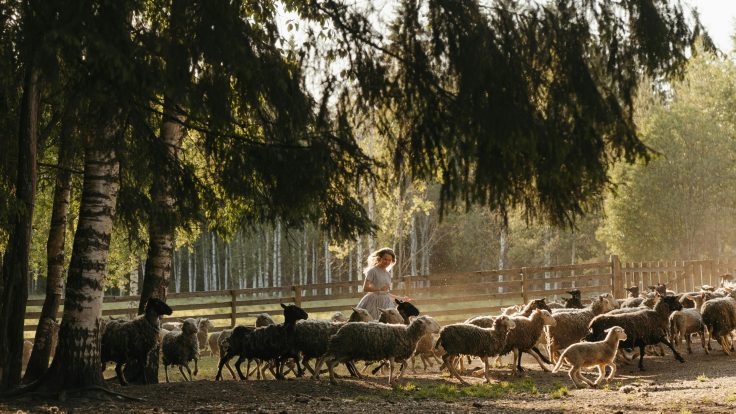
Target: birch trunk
{"x": 77, "y": 360}
{"x": 39, "y": 360}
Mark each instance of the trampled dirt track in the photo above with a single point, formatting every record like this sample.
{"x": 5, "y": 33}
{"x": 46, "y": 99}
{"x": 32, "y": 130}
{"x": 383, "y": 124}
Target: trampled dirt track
{"x": 703, "y": 384}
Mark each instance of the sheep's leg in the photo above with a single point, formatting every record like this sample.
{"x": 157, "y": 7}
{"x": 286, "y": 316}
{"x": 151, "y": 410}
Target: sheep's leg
{"x": 357, "y": 373}
{"x": 305, "y": 364}
{"x": 317, "y": 367}
{"x": 539, "y": 357}
{"x": 517, "y": 362}
{"x": 581, "y": 377}
{"x": 641, "y": 356}
{"x": 672, "y": 348}
{"x": 196, "y": 368}
{"x": 573, "y": 374}
{"x": 391, "y": 365}
{"x": 238, "y": 363}
{"x": 189, "y": 371}
{"x": 181, "y": 369}
{"x": 119, "y": 372}
{"x": 689, "y": 342}
{"x": 229, "y": 368}
{"x": 601, "y": 374}
{"x": 331, "y": 366}
{"x": 701, "y": 333}
{"x": 453, "y": 370}
{"x": 166, "y": 370}
{"x": 486, "y": 369}
{"x": 724, "y": 344}
{"x": 613, "y": 371}
{"x": 223, "y": 361}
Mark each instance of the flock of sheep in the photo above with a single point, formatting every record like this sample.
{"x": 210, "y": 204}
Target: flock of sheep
{"x": 555, "y": 334}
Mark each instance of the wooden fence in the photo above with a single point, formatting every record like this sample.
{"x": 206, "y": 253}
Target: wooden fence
{"x": 450, "y": 297}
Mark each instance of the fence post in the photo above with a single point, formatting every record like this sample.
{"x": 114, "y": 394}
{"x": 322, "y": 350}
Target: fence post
{"x": 233, "y": 308}
{"x": 524, "y": 295}
{"x": 297, "y": 295}
{"x": 617, "y": 279}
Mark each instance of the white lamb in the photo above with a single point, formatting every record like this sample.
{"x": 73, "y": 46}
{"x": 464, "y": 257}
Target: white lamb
{"x": 589, "y": 354}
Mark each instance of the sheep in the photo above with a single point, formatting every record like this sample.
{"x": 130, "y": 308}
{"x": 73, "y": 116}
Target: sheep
{"x": 686, "y": 322}
{"x": 235, "y": 343}
{"x": 588, "y": 354}
{"x": 406, "y": 309}
{"x": 264, "y": 319}
{"x": 172, "y": 326}
{"x": 719, "y": 317}
{"x": 359, "y": 315}
{"x": 311, "y": 337}
{"x": 524, "y": 337}
{"x": 634, "y": 299}
{"x": 216, "y": 343}
{"x": 643, "y": 327}
{"x": 123, "y": 341}
{"x": 338, "y": 317}
{"x": 425, "y": 350}
{"x": 465, "y": 339}
{"x": 203, "y": 328}
{"x": 391, "y": 315}
{"x": 370, "y": 341}
{"x": 265, "y": 343}
{"x": 180, "y": 347}
{"x": 572, "y": 326}
{"x": 574, "y": 301}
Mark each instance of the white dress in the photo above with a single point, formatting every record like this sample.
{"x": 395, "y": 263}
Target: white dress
{"x": 372, "y": 301}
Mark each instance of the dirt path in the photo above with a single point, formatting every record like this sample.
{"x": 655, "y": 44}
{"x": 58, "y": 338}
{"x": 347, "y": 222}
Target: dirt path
{"x": 703, "y": 384}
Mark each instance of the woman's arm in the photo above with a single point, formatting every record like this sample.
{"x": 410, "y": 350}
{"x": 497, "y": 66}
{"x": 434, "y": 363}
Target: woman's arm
{"x": 368, "y": 286}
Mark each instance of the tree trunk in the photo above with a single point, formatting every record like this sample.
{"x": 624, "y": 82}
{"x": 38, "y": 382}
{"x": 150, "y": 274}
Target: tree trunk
{"x": 14, "y": 293}
{"x": 39, "y": 360}
{"x": 77, "y": 360}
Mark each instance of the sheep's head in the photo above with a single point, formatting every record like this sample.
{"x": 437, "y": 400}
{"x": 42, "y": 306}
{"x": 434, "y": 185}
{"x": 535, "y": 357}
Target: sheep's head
{"x": 390, "y": 315}
{"x": 158, "y": 307}
{"x": 634, "y": 290}
{"x": 189, "y": 327}
{"x": 503, "y": 322}
{"x": 429, "y": 323}
{"x": 293, "y": 313}
{"x": 617, "y": 332}
{"x": 406, "y": 309}
{"x": 205, "y": 324}
{"x": 546, "y": 317}
{"x": 575, "y": 293}
{"x": 338, "y": 317}
{"x": 360, "y": 315}
{"x": 540, "y": 304}
{"x": 672, "y": 302}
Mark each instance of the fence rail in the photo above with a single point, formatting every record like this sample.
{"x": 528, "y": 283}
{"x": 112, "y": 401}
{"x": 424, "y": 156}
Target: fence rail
{"x": 450, "y": 297}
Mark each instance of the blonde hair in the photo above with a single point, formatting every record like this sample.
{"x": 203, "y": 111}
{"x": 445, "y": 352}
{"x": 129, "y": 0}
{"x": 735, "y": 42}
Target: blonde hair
{"x": 375, "y": 257}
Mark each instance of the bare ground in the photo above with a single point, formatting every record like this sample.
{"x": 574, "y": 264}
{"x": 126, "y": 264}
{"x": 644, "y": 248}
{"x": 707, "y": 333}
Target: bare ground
{"x": 703, "y": 384}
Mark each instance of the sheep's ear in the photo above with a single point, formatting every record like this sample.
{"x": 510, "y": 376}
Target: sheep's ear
{"x": 283, "y": 306}
{"x": 355, "y": 309}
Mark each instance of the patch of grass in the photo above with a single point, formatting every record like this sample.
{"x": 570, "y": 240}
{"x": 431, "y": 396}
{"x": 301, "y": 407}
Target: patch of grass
{"x": 703, "y": 378}
{"x": 732, "y": 397}
{"x": 559, "y": 390}
{"x": 685, "y": 411}
{"x": 451, "y": 392}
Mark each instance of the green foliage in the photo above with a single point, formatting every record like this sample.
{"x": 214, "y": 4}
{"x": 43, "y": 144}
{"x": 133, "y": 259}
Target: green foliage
{"x": 679, "y": 205}
{"x": 559, "y": 390}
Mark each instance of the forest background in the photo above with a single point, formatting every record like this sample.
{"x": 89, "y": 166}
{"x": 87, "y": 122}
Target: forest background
{"x": 679, "y": 206}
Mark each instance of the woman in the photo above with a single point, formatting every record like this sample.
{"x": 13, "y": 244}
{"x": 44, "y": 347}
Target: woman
{"x": 377, "y": 283}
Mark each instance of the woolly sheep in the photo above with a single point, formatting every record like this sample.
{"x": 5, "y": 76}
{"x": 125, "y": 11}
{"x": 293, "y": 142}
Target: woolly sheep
{"x": 172, "y": 326}
{"x": 524, "y": 337}
{"x": 685, "y": 322}
{"x": 466, "y": 339}
{"x": 27, "y": 348}
{"x": 312, "y": 337}
{"x": 265, "y": 343}
{"x": 180, "y": 347}
{"x": 643, "y": 327}
{"x": 719, "y": 317}
{"x": 264, "y": 319}
{"x": 589, "y": 354}
{"x": 370, "y": 341}
{"x": 123, "y": 341}
{"x": 572, "y": 326}
{"x": 338, "y": 317}
{"x": 574, "y": 301}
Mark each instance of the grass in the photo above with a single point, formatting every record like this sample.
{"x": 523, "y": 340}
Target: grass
{"x": 451, "y": 392}
{"x": 685, "y": 411}
{"x": 559, "y": 390}
{"x": 703, "y": 378}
